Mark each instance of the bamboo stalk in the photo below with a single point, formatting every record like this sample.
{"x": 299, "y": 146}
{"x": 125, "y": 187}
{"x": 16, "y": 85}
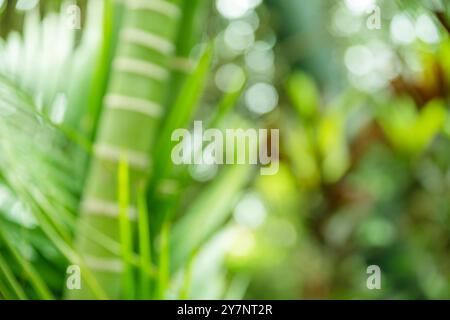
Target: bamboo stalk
{"x": 131, "y": 114}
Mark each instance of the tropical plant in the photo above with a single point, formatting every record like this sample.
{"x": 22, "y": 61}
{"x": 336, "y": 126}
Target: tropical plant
{"x": 86, "y": 176}
{"x": 87, "y": 185}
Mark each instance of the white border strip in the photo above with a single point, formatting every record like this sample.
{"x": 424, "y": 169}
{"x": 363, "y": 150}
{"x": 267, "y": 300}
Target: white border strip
{"x": 166, "y": 8}
{"x": 147, "y": 40}
{"x": 128, "y": 103}
{"x": 140, "y": 67}
{"x": 135, "y": 159}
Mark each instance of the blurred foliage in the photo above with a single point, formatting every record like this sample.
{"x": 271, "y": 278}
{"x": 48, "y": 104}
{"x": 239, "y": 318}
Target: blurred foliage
{"x": 364, "y": 156}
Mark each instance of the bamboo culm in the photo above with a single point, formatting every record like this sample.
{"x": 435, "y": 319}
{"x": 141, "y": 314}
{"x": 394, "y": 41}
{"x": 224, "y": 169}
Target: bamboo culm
{"x": 132, "y": 109}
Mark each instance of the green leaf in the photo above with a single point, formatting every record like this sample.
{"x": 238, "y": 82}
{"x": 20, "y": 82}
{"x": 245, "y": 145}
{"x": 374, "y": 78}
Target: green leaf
{"x": 125, "y": 228}
{"x": 410, "y": 130}
{"x": 183, "y": 111}
{"x": 144, "y": 243}
{"x": 30, "y": 272}
{"x": 207, "y": 213}
{"x": 14, "y": 284}
{"x": 304, "y": 95}
{"x": 164, "y": 262}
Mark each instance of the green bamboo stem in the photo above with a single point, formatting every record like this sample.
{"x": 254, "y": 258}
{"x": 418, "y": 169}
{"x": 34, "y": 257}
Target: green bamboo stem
{"x": 131, "y": 114}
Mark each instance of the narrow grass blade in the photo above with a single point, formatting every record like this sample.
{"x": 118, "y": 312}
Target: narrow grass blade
{"x": 184, "y": 292}
{"x": 164, "y": 262}
{"x": 144, "y": 244}
{"x": 125, "y": 228}
{"x": 183, "y": 110}
{"x": 112, "y": 21}
{"x": 33, "y": 276}
{"x": 12, "y": 281}
{"x": 207, "y": 213}
{"x": 5, "y": 294}
{"x": 67, "y": 251}
{"x": 228, "y": 101}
